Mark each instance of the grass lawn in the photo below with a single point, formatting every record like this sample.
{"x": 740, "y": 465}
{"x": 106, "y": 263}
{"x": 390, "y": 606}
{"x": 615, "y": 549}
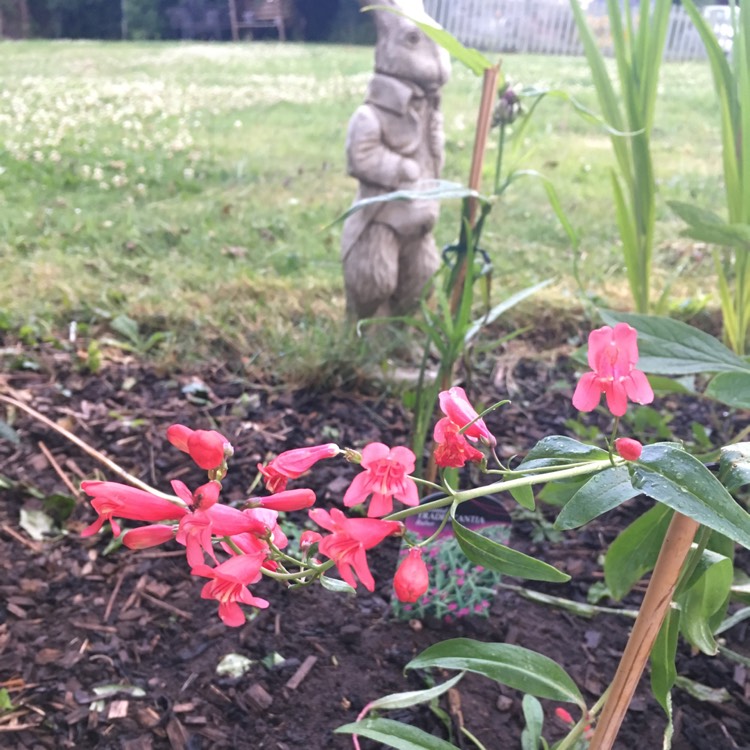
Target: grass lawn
{"x": 187, "y": 186}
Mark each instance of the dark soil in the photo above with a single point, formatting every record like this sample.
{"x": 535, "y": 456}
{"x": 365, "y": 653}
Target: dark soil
{"x": 74, "y": 618}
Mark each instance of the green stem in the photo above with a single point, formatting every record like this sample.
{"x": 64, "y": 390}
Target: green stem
{"x": 490, "y": 489}
{"x": 575, "y": 733}
{"x": 499, "y": 160}
{"x": 474, "y": 739}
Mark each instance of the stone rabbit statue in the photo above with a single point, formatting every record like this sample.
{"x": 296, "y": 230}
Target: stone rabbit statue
{"x": 395, "y": 141}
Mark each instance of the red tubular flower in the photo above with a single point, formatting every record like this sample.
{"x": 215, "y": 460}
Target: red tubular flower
{"x": 148, "y": 536}
{"x": 350, "y": 538}
{"x": 203, "y": 498}
{"x": 294, "y": 463}
{"x": 207, "y": 448}
{"x": 228, "y": 585}
{"x": 288, "y": 500}
{"x": 308, "y": 538}
{"x": 112, "y": 499}
{"x": 411, "y": 579}
{"x": 613, "y": 354}
{"x": 628, "y": 448}
{"x": 564, "y": 715}
{"x": 455, "y": 405}
{"x": 452, "y": 448}
{"x": 385, "y": 477}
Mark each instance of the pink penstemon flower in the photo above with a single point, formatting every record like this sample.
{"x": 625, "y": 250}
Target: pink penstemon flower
{"x": 612, "y": 356}
{"x": 385, "y": 477}
{"x": 452, "y": 449}
{"x": 349, "y": 540}
{"x": 228, "y": 585}
{"x": 456, "y": 406}
{"x": 208, "y": 448}
{"x": 293, "y": 464}
{"x": 114, "y": 500}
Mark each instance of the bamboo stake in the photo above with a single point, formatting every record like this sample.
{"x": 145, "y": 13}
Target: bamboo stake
{"x": 674, "y": 551}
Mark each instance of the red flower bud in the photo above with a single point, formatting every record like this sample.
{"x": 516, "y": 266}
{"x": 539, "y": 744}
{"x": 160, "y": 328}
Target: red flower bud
{"x": 628, "y": 448}
{"x": 411, "y": 579}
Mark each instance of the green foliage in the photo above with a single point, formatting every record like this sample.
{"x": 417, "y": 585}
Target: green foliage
{"x": 638, "y": 54}
{"x": 498, "y": 557}
{"x": 732, "y": 85}
{"x": 514, "y": 666}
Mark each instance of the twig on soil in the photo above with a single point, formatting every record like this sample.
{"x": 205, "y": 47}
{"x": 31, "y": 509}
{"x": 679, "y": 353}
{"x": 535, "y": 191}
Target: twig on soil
{"x": 113, "y": 595}
{"x": 166, "y": 606}
{"x": 304, "y": 669}
{"x": 33, "y": 546}
{"x": 58, "y": 470}
{"x": 111, "y": 465}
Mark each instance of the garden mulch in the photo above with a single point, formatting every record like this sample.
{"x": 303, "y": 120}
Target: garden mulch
{"x": 76, "y": 618}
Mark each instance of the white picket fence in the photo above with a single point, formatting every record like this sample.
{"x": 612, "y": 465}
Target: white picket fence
{"x": 547, "y": 27}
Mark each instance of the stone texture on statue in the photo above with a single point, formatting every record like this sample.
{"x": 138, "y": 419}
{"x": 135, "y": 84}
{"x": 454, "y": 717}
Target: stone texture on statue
{"x": 395, "y": 141}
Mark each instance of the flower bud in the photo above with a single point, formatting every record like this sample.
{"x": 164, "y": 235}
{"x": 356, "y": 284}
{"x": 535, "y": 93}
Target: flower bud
{"x": 411, "y": 579}
{"x": 628, "y": 448}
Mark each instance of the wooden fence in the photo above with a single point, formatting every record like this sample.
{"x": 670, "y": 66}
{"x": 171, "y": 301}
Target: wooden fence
{"x": 547, "y": 27}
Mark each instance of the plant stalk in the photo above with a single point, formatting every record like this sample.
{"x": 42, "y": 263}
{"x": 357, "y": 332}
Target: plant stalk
{"x": 654, "y": 608}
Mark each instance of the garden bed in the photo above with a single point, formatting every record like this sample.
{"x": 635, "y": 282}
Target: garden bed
{"x": 75, "y": 618}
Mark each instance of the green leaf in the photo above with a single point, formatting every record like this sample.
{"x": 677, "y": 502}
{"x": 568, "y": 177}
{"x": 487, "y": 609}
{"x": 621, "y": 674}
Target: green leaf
{"x": 473, "y": 59}
{"x": 702, "y": 692}
{"x": 395, "y": 734}
{"x": 731, "y": 388}
{"x": 127, "y": 327}
{"x": 735, "y": 619}
{"x": 663, "y": 669}
{"x": 510, "y": 665}
{"x": 533, "y": 714}
{"x": 6, "y": 704}
{"x": 673, "y": 477}
{"x": 734, "y": 466}
{"x": 8, "y": 433}
{"x": 707, "y": 595}
{"x": 671, "y": 347}
{"x": 496, "y": 556}
{"x": 633, "y": 553}
{"x": 431, "y": 190}
{"x": 503, "y": 307}
{"x": 706, "y": 226}
{"x": 524, "y": 496}
{"x": 559, "y": 449}
{"x": 603, "y": 491}
{"x": 413, "y": 697}
{"x": 335, "y": 585}
{"x": 559, "y": 493}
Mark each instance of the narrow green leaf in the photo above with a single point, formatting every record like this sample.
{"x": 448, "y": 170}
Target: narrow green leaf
{"x": 8, "y": 433}
{"x": 673, "y": 477}
{"x": 734, "y": 466}
{"x": 671, "y": 347}
{"x": 663, "y": 669}
{"x": 707, "y": 226}
{"x": 559, "y": 449}
{"x": 472, "y": 58}
{"x": 413, "y": 697}
{"x": 633, "y": 553}
{"x": 533, "y": 715}
{"x": 702, "y": 692}
{"x": 524, "y": 496}
{"x": 335, "y": 585}
{"x": 502, "y": 308}
{"x": 735, "y": 619}
{"x": 707, "y": 595}
{"x": 510, "y": 665}
{"x": 395, "y": 734}
{"x": 559, "y": 493}
{"x": 602, "y": 492}
{"x": 431, "y": 190}
{"x": 510, "y": 562}
{"x": 731, "y": 388}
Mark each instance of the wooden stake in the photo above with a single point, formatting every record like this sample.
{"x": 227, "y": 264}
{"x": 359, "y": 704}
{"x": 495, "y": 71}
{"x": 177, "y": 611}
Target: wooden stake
{"x": 656, "y": 602}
